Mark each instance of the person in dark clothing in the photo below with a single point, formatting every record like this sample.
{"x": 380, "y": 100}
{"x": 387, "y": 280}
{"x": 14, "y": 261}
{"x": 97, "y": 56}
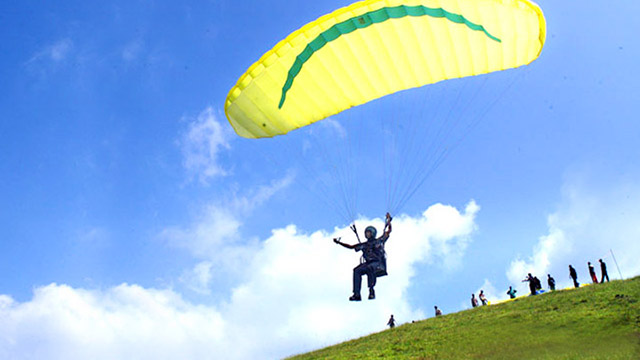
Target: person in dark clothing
{"x": 474, "y": 301}
{"x": 552, "y": 282}
{"x": 603, "y": 269}
{"x": 512, "y": 292}
{"x": 532, "y": 283}
{"x": 538, "y": 283}
{"x": 592, "y": 273}
{"x": 574, "y": 276}
{"x": 375, "y": 261}
{"x": 391, "y": 322}
{"x": 438, "y": 312}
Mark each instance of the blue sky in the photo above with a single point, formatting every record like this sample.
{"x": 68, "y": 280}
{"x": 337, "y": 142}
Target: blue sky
{"x": 125, "y": 190}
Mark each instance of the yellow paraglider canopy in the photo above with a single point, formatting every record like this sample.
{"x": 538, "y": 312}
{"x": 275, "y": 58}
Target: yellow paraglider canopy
{"x": 373, "y": 48}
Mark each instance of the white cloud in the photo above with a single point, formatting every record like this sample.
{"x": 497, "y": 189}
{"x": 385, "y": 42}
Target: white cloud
{"x": 293, "y": 298}
{"x": 590, "y": 221}
{"x": 56, "y": 52}
{"x": 254, "y": 198}
{"x": 335, "y": 127}
{"x": 216, "y": 240}
{"x": 199, "y": 278}
{"x": 59, "y": 50}
{"x": 216, "y": 227}
{"x": 216, "y": 237}
{"x": 202, "y": 144}
{"x": 124, "y": 322}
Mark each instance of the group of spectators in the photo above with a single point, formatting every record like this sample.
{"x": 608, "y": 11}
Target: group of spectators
{"x": 592, "y": 273}
{"x": 534, "y": 286}
{"x": 483, "y": 299}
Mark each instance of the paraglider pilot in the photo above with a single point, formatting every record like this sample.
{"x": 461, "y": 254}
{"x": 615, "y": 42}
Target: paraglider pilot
{"x": 373, "y": 262}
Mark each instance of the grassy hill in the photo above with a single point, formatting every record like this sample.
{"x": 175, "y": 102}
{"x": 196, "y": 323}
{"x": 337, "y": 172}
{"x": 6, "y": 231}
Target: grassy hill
{"x": 594, "y": 322}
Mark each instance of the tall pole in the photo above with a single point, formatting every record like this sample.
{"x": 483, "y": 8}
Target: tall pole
{"x": 614, "y": 260}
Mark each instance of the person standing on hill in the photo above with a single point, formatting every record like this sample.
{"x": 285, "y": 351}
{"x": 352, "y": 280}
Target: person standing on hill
{"x": 538, "y": 283}
{"x": 552, "y": 282}
{"x": 438, "y": 312}
{"x": 483, "y": 299}
{"x": 603, "y": 269}
{"x": 474, "y": 301}
{"x": 391, "y": 322}
{"x": 512, "y": 292}
{"x": 574, "y": 276}
{"x": 532, "y": 283}
{"x": 592, "y": 272}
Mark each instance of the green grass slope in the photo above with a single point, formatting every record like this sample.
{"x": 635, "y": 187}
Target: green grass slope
{"x": 594, "y": 322}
